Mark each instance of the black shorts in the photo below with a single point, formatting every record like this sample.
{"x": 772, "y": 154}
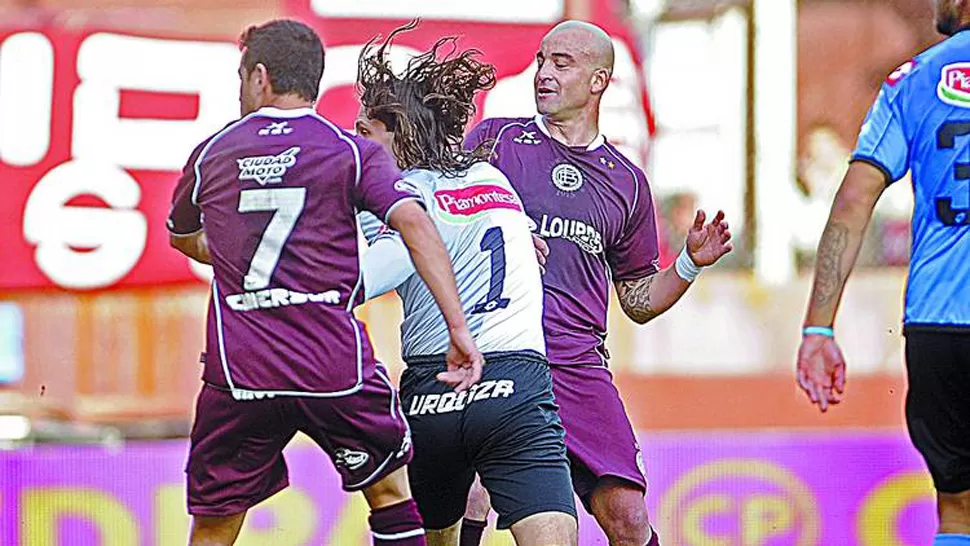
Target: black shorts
{"x": 938, "y": 404}
{"x": 506, "y": 428}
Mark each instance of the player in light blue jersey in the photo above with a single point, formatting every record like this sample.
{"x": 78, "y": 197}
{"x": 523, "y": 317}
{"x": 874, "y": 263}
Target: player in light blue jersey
{"x": 920, "y": 123}
{"x": 506, "y": 428}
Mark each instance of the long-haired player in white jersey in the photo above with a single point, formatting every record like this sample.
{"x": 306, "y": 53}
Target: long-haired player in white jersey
{"x": 506, "y": 428}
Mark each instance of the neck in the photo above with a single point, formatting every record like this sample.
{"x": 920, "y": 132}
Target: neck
{"x": 578, "y": 130}
{"x": 288, "y": 102}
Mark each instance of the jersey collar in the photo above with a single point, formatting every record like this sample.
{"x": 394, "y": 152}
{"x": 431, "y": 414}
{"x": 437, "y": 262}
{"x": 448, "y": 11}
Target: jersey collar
{"x": 596, "y": 143}
{"x": 288, "y": 113}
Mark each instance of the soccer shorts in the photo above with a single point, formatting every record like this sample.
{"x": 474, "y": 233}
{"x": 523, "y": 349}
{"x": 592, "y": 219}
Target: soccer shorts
{"x": 236, "y": 455}
{"x": 505, "y": 428}
{"x": 600, "y": 441}
{"x": 938, "y": 404}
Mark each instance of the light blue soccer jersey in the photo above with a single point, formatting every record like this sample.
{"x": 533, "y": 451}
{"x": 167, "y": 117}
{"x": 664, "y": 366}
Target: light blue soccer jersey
{"x": 920, "y": 122}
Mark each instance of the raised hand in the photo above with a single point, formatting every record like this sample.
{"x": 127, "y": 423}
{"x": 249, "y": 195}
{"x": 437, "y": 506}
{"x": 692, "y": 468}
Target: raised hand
{"x": 706, "y": 244}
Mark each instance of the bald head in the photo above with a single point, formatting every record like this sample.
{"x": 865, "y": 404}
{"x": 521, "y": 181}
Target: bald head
{"x": 574, "y": 66}
{"x": 592, "y": 42}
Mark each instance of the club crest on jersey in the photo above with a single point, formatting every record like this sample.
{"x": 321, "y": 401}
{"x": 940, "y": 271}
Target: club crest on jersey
{"x": 954, "y": 87}
{"x": 567, "y": 177}
{"x": 897, "y": 75}
{"x": 465, "y": 205}
{"x": 267, "y": 169}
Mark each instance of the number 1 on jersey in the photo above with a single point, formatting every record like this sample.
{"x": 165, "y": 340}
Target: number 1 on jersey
{"x": 494, "y": 241}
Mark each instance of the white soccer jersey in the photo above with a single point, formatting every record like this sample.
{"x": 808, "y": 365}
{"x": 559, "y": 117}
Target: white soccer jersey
{"x": 486, "y": 232}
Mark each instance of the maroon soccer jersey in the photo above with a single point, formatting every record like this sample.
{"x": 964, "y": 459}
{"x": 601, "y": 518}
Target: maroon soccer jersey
{"x": 276, "y": 193}
{"x": 594, "y": 208}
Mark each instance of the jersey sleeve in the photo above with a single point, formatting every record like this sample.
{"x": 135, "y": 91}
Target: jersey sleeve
{"x": 380, "y": 188}
{"x": 386, "y": 264}
{"x": 372, "y": 227}
{"x": 482, "y": 132}
{"x": 636, "y": 254}
{"x": 882, "y": 140}
{"x": 185, "y": 216}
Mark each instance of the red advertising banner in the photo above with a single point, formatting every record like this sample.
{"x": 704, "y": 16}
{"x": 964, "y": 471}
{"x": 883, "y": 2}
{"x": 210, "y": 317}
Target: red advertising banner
{"x": 97, "y": 125}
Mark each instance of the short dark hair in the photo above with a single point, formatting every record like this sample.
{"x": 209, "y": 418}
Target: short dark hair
{"x": 428, "y": 106}
{"x": 291, "y": 52}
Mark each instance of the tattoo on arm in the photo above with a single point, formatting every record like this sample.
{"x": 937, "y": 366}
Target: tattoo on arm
{"x": 828, "y": 279}
{"x": 635, "y": 299}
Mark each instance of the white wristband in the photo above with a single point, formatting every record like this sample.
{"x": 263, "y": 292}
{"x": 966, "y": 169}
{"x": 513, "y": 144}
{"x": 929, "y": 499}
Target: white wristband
{"x": 685, "y": 266}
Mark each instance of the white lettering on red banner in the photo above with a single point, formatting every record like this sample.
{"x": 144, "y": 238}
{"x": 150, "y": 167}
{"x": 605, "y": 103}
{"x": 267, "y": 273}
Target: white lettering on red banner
{"x": 96, "y": 127}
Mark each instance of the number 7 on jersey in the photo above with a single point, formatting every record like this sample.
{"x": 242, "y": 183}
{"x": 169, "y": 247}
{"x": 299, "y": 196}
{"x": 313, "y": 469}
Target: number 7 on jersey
{"x": 287, "y": 205}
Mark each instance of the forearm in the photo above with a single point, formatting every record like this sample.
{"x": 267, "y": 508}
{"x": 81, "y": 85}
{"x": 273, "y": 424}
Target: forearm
{"x": 645, "y": 299}
{"x": 194, "y": 246}
{"x": 835, "y": 258}
{"x": 430, "y": 259}
{"x": 841, "y": 241}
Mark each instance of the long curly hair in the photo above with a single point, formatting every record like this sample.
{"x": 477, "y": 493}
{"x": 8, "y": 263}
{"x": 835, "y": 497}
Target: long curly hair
{"x": 428, "y": 105}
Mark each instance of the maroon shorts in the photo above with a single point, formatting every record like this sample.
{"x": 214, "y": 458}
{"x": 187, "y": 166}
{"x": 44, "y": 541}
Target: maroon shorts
{"x": 236, "y": 457}
{"x": 600, "y": 442}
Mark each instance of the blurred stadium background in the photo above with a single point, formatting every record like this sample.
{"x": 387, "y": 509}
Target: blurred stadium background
{"x": 747, "y": 105}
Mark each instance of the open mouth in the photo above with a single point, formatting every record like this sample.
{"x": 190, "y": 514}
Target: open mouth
{"x": 545, "y": 92}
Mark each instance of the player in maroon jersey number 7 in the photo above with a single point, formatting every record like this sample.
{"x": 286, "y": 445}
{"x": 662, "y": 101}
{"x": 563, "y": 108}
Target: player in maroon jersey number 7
{"x": 271, "y": 201}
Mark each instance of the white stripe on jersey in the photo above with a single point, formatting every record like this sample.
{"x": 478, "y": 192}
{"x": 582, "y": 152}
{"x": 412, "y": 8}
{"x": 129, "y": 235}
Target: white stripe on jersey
{"x": 217, "y": 303}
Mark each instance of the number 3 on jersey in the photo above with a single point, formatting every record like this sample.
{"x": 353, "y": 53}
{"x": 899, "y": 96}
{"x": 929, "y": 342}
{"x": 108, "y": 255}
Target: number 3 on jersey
{"x": 287, "y": 205}
{"x": 494, "y": 241}
{"x": 946, "y": 137}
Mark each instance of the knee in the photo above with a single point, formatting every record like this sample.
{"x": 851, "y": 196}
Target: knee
{"x": 955, "y": 511}
{"x": 627, "y": 527}
{"x": 478, "y": 503}
{"x": 390, "y": 490}
{"x": 622, "y": 514}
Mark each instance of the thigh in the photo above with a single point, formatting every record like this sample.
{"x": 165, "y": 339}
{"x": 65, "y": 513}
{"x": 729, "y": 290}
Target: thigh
{"x": 545, "y": 529}
{"x": 517, "y": 444}
{"x": 938, "y": 405}
{"x": 207, "y": 530}
{"x": 236, "y": 454}
{"x": 364, "y": 433}
{"x": 599, "y": 437}
{"x": 440, "y": 472}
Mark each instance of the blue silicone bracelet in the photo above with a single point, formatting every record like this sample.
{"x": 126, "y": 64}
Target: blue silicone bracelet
{"x": 818, "y": 331}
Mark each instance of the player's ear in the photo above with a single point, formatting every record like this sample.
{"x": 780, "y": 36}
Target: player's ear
{"x": 261, "y": 74}
{"x": 599, "y": 81}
